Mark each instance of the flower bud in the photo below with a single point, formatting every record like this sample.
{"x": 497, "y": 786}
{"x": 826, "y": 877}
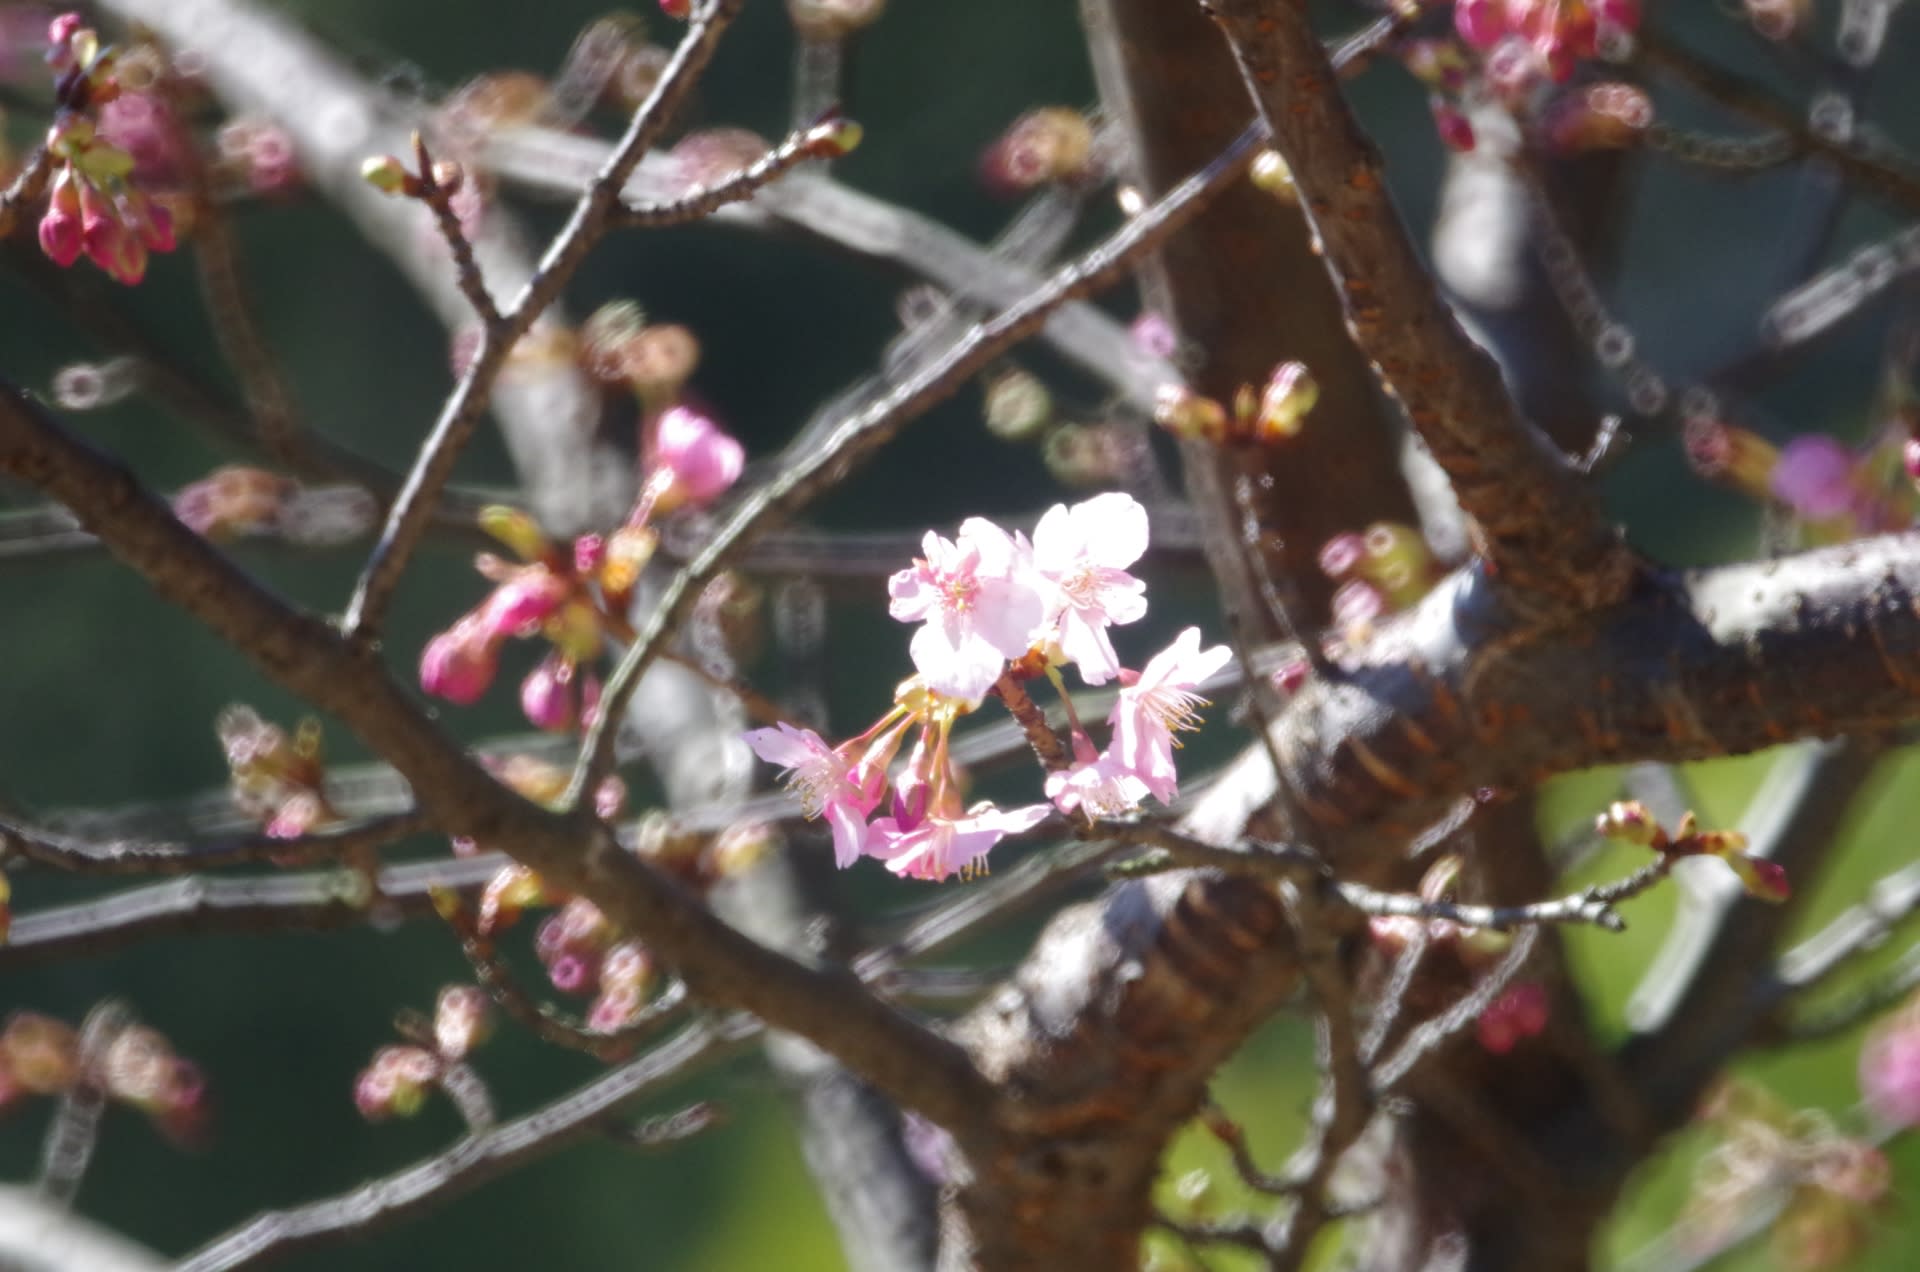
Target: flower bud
{"x": 39, "y": 1054}
{"x": 1188, "y": 415}
{"x": 459, "y": 663}
{"x": 462, "y": 1020}
{"x": 1018, "y": 406}
{"x": 834, "y": 139}
{"x": 1816, "y": 477}
{"x": 1517, "y": 1014}
{"x": 388, "y": 175}
{"x": 1290, "y": 393}
{"x": 396, "y": 1083}
{"x": 701, "y": 459}
{"x": 1050, "y": 144}
{"x": 1271, "y": 174}
{"x": 1451, "y": 124}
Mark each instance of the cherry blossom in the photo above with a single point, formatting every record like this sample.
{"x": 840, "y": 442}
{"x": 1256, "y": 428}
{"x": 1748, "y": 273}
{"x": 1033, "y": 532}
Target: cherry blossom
{"x": 1084, "y": 552}
{"x": 1160, "y": 703}
{"x": 941, "y": 845}
{"x": 980, "y": 602}
{"x": 1098, "y": 785}
{"x": 826, "y": 782}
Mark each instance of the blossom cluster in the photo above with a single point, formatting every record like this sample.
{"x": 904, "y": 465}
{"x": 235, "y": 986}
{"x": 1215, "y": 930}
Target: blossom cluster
{"x": 995, "y": 609}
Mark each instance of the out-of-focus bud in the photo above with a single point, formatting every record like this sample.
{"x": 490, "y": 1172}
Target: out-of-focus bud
{"x": 1153, "y": 335}
{"x": 659, "y": 360}
{"x": 1271, "y": 174}
{"x": 833, "y": 19}
{"x": 739, "y": 848}
{"x": 835, "y": 138}
{"x": 462, "y": 1020}
{"x": 1018, "y": 405}
{"x": 40, "y": 1055}
{"x": 604, "y": 338}
{"x": 508, "y": 895}
{"x": 1053, "y": 143}
{"x": 388, "y": 175}
{"x": 1630, "y": 821}
{"x": 699, "y": 459}
{"x": 1189, "y": 415}
{"x": 1451, "y": 125}
{"x": 1519, "y": 1013}
{"x": 1727, "y": 453}
{"x": 1779, "y": 19}
{"x": 396, "y": 1083}
{"x": 1290, "y": 393}
{"x": 1609, "y": 116}
{"x": 1817, "y": 477}
{"x": 1481, "y": 23}
{"x": 233, "y": 501}
{"x": 710, "y": 156}
{"x": 1084, "y": 455}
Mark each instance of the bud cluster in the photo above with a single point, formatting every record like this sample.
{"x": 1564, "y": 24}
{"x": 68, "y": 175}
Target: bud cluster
{"x": 1631, "y": 822}
{"x": 1274, "y": 413}
{"x": 95, "y": 204}
{"x": 136, "y": 1066}
{"x": 278, "y": 779}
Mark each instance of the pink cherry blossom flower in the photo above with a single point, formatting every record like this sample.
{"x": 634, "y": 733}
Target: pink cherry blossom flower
{"x": 700, "y": 458}
{"x": 942, "y": 845}
{"x": 979, "y": 600}
{"x": 826, "y": 782}
{"x": 1098, "y": 785}
{"x": 1160, "y": 703}
{"x": 1084, "y": 551}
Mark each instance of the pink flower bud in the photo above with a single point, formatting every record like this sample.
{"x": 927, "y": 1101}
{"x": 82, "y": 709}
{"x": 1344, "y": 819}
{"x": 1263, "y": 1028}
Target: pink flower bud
{"x": 1480, "y": 23}
{"x": 1815, "y": 477}
{"x": 547, "y": 695}
{"x": 1518, "y": 1014}
{"x": 523, "y": 602}
{"x": 702, "y": 458}
{"x": 460, "y": 663}
{"x": 60, "y": 228}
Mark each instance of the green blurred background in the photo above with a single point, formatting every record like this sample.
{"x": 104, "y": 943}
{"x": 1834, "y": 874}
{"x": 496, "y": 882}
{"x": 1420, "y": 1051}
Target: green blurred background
{"x": 109, "y": 696}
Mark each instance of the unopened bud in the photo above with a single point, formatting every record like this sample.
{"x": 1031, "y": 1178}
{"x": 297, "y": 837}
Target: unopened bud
{"x": 1290, "y": 394}
{"x": 389, "y": 176}
{"x": 1271, "y": 174}
{"x": 1018, "y": 406}
{"x": 834, "y": 139}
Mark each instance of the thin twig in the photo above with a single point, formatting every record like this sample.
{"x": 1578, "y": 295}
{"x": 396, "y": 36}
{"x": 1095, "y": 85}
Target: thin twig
{"x": 438, "y": 197}
{"x": 736, "y": 187}
{"x": 134, "y": 857}
{"x": 26, "y": 190}
{"x": 1874, "y": 169}
{"x": 474, "y": 1159}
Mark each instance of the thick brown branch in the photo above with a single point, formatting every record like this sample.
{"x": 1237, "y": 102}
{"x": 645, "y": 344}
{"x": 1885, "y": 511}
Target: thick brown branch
{"x": 1541, "y": 528}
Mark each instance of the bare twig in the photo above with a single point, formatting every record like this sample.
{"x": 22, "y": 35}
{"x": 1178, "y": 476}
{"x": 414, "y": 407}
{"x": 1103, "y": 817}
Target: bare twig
{"x": 26, "y": 190}
{"x": 438, "y": 194}
{"x": 810, "y": 143}
{"x": 124, "y": 856}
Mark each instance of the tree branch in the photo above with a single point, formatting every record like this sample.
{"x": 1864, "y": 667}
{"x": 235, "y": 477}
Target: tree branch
{"x": 1542, "y": 530}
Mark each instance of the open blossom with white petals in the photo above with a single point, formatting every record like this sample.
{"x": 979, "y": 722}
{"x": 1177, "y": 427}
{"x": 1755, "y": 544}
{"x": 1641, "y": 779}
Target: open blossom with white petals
{"x": 940, "y": 845}
{"x": 826, "y": 782}
{"x": 1160, "y": 703}
{"x": 1084, "y": 552}
{"x": 980, "y": 602}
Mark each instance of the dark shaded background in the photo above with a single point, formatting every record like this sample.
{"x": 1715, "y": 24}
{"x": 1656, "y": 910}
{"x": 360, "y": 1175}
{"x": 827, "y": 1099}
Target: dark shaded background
{"x": 109, "y": 697}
